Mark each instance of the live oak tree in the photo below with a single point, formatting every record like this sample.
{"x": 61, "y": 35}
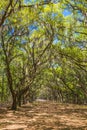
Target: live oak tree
{"x": 41, "y": 48}
{"x": 12, "y": 38}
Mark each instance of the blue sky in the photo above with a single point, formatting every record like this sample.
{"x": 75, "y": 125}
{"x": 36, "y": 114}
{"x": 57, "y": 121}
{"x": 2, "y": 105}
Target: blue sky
{"x": 66, "y": 12}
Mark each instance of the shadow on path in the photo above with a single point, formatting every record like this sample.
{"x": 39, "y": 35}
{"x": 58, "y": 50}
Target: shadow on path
{"x": 45, "y": 116}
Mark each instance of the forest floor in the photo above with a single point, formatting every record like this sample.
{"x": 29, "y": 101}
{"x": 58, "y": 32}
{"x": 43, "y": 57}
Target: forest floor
{"x": 45, "y": 116}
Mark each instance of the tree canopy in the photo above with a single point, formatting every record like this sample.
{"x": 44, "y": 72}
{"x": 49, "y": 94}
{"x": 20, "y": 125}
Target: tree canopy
{"x": 43, "y": 50}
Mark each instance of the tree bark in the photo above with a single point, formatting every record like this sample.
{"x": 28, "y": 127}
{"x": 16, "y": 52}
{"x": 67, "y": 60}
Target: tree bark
{"x": 19, "y": 101}
{"x": 14, "y": 103}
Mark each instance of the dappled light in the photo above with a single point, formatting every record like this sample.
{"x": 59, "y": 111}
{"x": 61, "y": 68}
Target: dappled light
{"x": 45, "y": 116}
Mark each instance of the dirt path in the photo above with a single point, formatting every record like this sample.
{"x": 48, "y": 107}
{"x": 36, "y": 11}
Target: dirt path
{"x": 45, "y": 116}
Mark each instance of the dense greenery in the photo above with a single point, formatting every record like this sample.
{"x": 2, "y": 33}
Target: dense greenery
{"x": 43, "y": 51}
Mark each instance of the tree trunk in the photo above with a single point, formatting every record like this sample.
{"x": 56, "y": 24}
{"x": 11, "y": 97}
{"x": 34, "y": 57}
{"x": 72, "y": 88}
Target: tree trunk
{"x": 14, "y": 104}
{"x": 19, "y": 101}
{"x": 24, "y": 100}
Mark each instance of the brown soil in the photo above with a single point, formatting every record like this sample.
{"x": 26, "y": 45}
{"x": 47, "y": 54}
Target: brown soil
{"x": 45, "y": 116}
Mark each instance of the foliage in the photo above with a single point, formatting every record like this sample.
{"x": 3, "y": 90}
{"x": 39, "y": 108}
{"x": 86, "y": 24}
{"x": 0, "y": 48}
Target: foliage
{"x": 43, "y": 51}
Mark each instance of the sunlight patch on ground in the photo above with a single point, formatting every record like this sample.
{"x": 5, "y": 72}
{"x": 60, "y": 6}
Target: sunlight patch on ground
{"x": 15, "y": 127}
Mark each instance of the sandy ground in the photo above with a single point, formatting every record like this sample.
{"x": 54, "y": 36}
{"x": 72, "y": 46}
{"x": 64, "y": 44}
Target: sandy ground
{"x": 45, "y": 116}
